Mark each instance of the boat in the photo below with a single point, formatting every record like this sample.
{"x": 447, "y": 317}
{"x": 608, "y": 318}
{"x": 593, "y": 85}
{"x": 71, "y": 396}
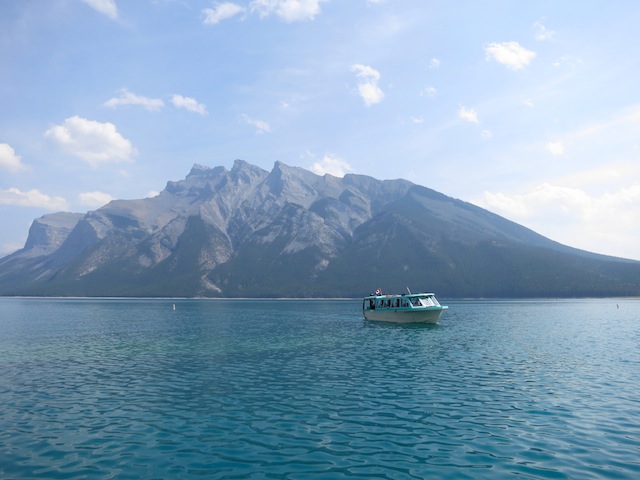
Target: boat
{"x": 402, "y": 308}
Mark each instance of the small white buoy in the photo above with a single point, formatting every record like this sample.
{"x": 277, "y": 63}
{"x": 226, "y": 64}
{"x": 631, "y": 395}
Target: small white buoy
{"x": 174, "y": 306}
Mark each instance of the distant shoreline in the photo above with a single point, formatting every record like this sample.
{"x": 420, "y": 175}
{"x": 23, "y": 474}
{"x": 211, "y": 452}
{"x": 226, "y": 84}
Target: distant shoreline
{"x": 75, "y": 297}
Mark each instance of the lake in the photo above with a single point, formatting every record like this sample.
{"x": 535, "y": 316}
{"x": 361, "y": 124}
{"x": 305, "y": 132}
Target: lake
{"x": 299, "y": 389}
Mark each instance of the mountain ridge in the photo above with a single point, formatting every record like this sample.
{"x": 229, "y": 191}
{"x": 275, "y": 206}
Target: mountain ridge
{"x": 249, "y": 232}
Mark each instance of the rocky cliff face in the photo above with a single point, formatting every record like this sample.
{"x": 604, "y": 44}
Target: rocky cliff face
{"x": 48, "y": 233}
{"x": 289, "y": 232}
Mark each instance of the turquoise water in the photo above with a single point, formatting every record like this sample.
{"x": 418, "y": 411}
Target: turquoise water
{"x": 308, "y": 389}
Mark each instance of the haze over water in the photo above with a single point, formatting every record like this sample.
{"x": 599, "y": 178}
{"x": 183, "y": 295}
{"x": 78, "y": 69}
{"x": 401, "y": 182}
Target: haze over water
{"x": 126, "y": 388}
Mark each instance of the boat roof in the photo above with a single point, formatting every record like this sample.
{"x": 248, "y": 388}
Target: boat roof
{"x": 389, "y": 295}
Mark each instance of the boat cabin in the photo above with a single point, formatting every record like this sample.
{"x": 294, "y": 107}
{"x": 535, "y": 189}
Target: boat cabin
{"x": 415, "y": 300}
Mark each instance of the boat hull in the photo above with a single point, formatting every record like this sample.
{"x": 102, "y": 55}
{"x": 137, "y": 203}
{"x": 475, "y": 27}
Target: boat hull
{"x": 399, "y": 315}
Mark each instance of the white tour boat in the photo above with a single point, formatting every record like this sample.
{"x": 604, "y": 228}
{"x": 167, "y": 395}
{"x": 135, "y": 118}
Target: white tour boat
{"x": 404, "y": 308}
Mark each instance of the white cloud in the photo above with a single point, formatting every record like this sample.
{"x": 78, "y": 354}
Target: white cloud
{"x": 189, "y": 104}
{"x": 94, "y": 199}
{"x": 105, "y": 7}
{"x": 287, "y": 10}
{"x": 556, "y": 148}
{"x": 261, "y": 125}
{"x": 541, "y": 32}
{"x": 417, "y": 120}
{"x": 332, "y": 165}
{"x": 370, "y": 93}
{"x": 92, "y": 141}
{"x": 129, "y": 98}
{"x": 468, "y": 114}
{"x": 221, "y": 11}
{"x": 511, "y": 54}
{"x": 368, "y": 84}
{"x": 9, "y": 160}
{"x": 434, "y": 63}
{"x": 575, "y": 218}
{"x": 31, "y": 198}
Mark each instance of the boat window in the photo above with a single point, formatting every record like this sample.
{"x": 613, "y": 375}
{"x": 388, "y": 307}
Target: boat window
{"x": 426, "y": 302}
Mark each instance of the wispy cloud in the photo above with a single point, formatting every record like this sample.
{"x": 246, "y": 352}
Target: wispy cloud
{"x": 287, "y": 10}
{"x": 188, "y": 103}
{"x": 261, "y": 125}
{"x": 11, "y": 161}
{"x": 541, "y": 32}
{"x": 567, "y": 61}
{"x": 94, "y": 199}
{"x": 94, "y": 142}
{"x": 105, "y": 7}
{"x": 129, "y": 98}
{"x": 368, "y": 84}
{"x": 221, "y": 11}
{"x": 575, "y": 216}
{"x": 9, "y": 248}
{"x": 428, "y": 92}
{"x": 31, "y": 198}
{"x": 510, "y": 54}
{"x": 434, "y": 63}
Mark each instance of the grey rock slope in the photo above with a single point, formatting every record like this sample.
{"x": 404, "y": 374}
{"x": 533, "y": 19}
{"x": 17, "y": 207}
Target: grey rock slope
{"x": 248, "y": 232}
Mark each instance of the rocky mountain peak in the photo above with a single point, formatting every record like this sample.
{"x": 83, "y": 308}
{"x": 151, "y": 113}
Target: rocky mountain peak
{"x": 198, "y": 169}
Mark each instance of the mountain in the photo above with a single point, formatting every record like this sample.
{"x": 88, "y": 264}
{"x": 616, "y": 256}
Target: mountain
{"x": 247, "y": 232}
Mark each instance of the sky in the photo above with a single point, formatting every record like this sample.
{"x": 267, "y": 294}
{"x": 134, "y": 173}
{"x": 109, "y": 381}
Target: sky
{"x": 530, "y": 110}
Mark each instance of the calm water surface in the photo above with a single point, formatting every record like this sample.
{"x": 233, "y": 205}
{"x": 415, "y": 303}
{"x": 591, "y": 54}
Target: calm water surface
{"x": 308, "y": 389}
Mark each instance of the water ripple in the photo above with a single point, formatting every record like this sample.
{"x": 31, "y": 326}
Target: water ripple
{"x": 298, "y": 390}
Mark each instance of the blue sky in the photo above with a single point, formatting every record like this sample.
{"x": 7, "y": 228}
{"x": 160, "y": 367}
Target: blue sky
{"x": 528, "y": 109}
